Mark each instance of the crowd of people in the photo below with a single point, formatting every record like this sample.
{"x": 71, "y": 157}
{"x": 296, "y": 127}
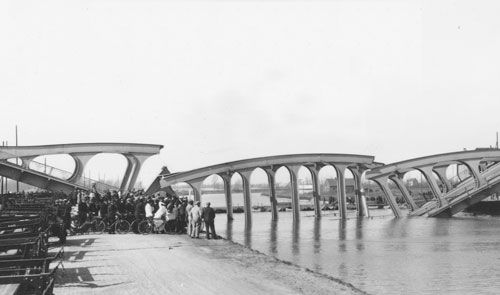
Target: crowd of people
{"x": 170, "y": 214}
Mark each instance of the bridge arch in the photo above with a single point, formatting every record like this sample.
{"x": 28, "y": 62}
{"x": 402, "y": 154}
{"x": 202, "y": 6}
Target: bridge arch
{"x": 108, "y": 168}
{"x": 260, "y": 190}
{"x": 211, "y": 191}
{"x": 58, "y": 165}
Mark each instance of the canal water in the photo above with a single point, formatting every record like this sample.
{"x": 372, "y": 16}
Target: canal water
{"x": 381, "y": 254}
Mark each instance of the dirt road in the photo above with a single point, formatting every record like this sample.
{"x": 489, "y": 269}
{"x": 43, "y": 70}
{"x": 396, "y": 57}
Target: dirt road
{"x": 171, "y": 264}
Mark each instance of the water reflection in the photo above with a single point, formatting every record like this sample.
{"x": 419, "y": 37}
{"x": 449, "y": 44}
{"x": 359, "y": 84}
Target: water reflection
{"x": 296, "y": 238}
{"x": 248, "y": 234}
{"x": 384, "y": 255}
{"x": 273, "y": 245}
{"x": 317, "y": 236}
{"x": 229, "y": 229}
{"x": 342, "y": 235}
{"x": 360, "y": 246}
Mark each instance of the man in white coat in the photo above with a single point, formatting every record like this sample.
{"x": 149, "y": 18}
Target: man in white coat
{"x": 195, "y": 215}
{"x": 189, "y": 221}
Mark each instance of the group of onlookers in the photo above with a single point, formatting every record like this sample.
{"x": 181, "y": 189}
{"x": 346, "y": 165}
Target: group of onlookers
{"x": 170, "y": 214}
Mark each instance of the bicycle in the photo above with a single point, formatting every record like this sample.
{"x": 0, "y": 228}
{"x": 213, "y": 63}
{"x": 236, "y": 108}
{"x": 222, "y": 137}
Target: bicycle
{"x": 120, "y": 225}
{"x": 88, "y": 226}
{"x": 149, "y": 225}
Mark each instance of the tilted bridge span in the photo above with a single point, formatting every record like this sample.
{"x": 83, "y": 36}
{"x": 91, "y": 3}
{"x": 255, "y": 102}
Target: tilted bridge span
{"x": 482, "y": 164}
{"x": 60, "y": 180}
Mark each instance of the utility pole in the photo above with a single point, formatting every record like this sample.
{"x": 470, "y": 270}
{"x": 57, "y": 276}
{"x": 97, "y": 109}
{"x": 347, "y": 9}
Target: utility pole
{"x": 17, "y": 181}
{"x": 1, "y": 178}
{"x": 6, "y": 179}
{"x": 497, "y": 141}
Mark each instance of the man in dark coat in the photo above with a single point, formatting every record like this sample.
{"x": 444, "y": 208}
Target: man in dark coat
{"x": 138, "y": 213}
{"x": 209, "y": 217}
{"x": 112, "y": 211}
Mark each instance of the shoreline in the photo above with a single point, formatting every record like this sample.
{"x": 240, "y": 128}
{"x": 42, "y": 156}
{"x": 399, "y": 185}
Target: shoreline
{"x": 177, "y": 264}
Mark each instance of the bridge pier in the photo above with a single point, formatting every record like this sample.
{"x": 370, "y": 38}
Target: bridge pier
{"x": 196, "y": 186}
{"x": 473, "y": 166}
{"x": 271, "y": 178}
{"x": 441, "y": 172}
{"x": 341, "y": 194}
{"x": 436, "y": 191}
{"x": 382, "y": 182}
{"x": 247, "y": 200}
{"x": 139, "y": 160}
{"x": 361, "y": 206}
{"x": 226, "y": 177}
{"x": 26, "y": 161}
{"x": 81, "y": 160}
{"x": 397, "y": 179}
{"x": 128, "y": 171}
{"x": 314, "y": 170}
{"x": 294, "y": 171}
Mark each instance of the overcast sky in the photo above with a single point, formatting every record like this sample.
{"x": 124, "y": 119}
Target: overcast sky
{"x": 216, "y": 81}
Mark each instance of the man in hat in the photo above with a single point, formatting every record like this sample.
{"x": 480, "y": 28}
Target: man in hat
{"x": 209, "y": 217}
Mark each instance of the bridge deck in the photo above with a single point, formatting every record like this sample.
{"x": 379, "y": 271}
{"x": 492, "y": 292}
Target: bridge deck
{"x": 170, "y": 264}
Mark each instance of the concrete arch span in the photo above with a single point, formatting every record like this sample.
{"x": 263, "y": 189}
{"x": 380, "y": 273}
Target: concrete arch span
{"x": 313, "y": 162}
{"x": 478, "y": 162}
{"x": 134, "y": 153}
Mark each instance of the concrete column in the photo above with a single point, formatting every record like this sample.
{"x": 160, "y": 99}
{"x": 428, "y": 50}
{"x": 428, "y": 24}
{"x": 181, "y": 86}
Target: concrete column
{"x": 473, "y": 166}
{"x": 128, "y": 171}
{"x": 272, "y": 192}
{"x": 361, "y": 206}
{"x": 247, "y": 200}
{"x": 382, "y": 182}
{"x": 139, "y": 160}
{"x": 398, "y": 180}
{"x": 25, "y": 161}
{"x": 429, "y": 176}
{"x": 81, "y": 160}
{"x": 294, "y": 172}
{"x": 341, "y": 195}
{"x": 441, "y": 172}
{"x": 314, "y": 170}
{"x": 196, "y": 185}
{"x": 226, "y": 177}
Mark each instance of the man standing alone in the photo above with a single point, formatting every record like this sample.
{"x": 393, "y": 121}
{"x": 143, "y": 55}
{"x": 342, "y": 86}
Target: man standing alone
{"x": 209, "y": 217}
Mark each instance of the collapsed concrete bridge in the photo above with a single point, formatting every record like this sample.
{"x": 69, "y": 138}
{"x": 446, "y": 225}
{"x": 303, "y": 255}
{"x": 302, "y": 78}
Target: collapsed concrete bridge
{"x": 448, "y": 199}
{"x": 81, "y": 153}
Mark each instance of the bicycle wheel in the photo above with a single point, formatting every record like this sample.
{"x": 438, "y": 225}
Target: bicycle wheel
{"x": 100, "y": 227}
{"x": 144, "y": 227}
{"x": 122, "y": 226}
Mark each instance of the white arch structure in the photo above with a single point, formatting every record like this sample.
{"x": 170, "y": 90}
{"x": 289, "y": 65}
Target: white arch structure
{"x": 135, "y": 154}
{"x": 313, "y": 162}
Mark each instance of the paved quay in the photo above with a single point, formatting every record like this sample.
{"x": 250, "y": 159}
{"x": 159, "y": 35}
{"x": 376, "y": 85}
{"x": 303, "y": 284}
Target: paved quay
{"x": 177, "y": 264}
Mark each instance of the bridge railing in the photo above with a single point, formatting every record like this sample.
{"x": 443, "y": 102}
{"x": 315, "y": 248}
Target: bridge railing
{"x": 64, "y": 175}
{"x": 465, "y": 189}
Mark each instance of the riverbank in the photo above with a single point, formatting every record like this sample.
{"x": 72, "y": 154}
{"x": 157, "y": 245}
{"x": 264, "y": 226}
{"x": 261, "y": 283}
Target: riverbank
{"x": 177, "y": 264}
